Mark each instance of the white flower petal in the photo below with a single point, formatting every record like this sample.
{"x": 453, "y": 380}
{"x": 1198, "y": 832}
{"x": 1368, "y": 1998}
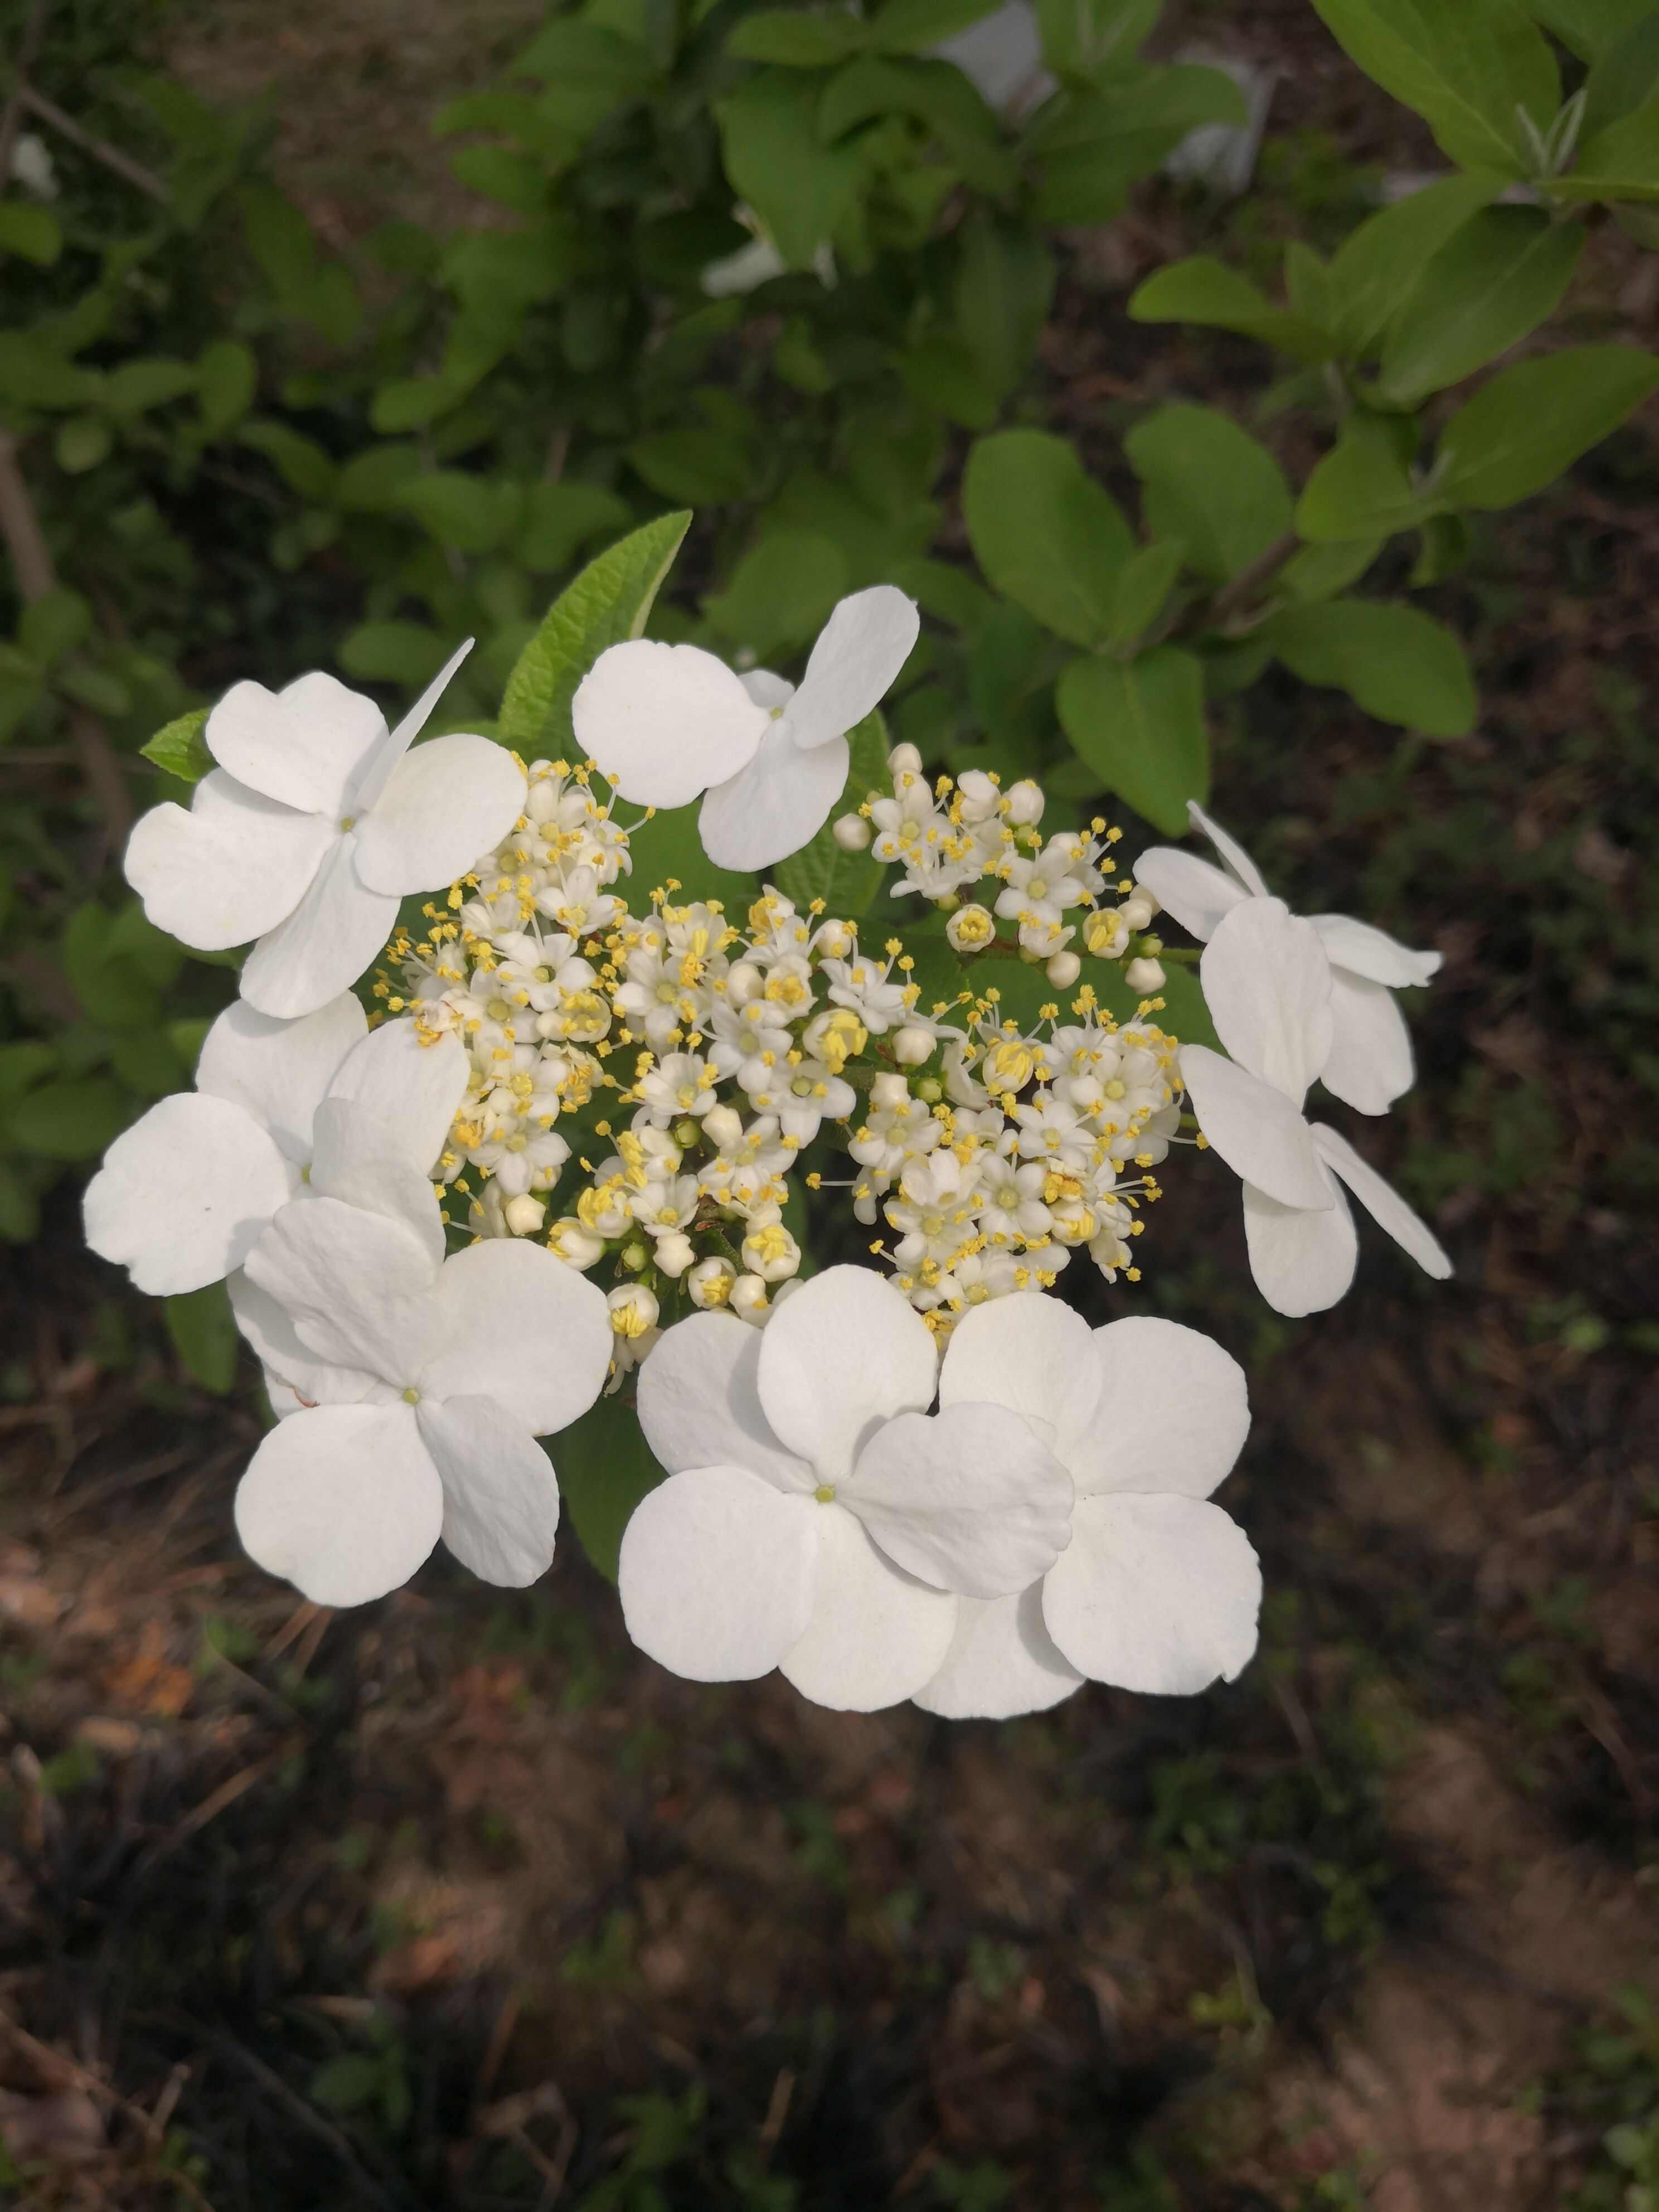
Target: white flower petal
{"x": 1370, "y": 1063}
{"x": 378, "y": 769}
{"x": 1256, "y": 1129}
{"x": 519, "y": 1326}
{"x": 303, "y": 745}
{"x": 1034, "y": 1356}
{"x": 1373, "y": 953}
{"x": 357, "y": 1157}
{"x": 357, "y": 1286}
{"x": 500, "y": 1495}
{"x": 415, "y": 1082}
{"x": 699, "y": 1406}
{"x": 1302, "y": 1262}
{"x": 662, "y": 722}
{"x": 228, "y": 870}
{"x": 1002, "y": 1661}
{"x": 766, "y": 690}
{"x": 1229, "y": 849}
{"x": 1268, "y": 985}
{"x": 876, "y": 1635}
{"x": 277, "y": 1070}
{"x": 846, "y": 1351}
{"x": 968, "y": 1500}
{"x": 774, "y": 805}
{"x": 1174, "y": 1411}
{"x": 1190, "y": 891}
{"x": 1158, "y": 1595}
{"x": 445, "y": 804}
{"x": 342, "y": 1501}
{"x": 185, "y": 1192}
{"x": 715, "y": 1575}
{"x": 1383, "y": 1202}
{"x": 269, "y": 1328}
{"x": 324, "y": 946}
{"x": 859, "y": 654}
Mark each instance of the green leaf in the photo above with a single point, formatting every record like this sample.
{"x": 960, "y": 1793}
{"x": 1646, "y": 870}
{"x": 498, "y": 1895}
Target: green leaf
{"x": 1377, "y": 265}
{"x": 703, "y": 468}
{"x": 472, "y": 514}
{"x": 559, "y": 519}
{"x": 1443, "y": 550}
{"x": 1590, "y": 28}
{"x": 69, "y": 1120}
{"x": 179, "y": 749}
{"x": 590, "y": 73}
{"x": 393, "y": 653}
{"x": 780, "y": 593}
{"x": 1140, "y": 724}
{"x": 1621, "y": 163}
{"x": 848, "y": 883}
{"x": 1210, "y": 483}
{"x": 20, "y": 1224}
{"x": 936, "y": 95}
{"x": 610, "y": 600}
{"x": 668, "y": 847}
{"x": 138, "y": 386}
{"x": 795, "y": 40}
{"x": 1185, "y": 1014}
{"x": 1005, "y": 283}
{"x": 372, "y": 481}
{"x": 1361, "y": 489}
{"x": 1046, "y": 535}
{"x": 1465, "y": 69}
{"x": 205, "y": 1336}
{"x": 911, "y": 27}
{"x": 52, "y": 625}
{"x": 1202, "y": 290}
{"x": 30, "y": 232}
{"x": 1320, "y": 571}
{"x": 26, "y": 1062}
{"x": 799, "y": 188}
{"x": 605, "y": 1468}
{"x": 1500, "y": 276}
{"x": 1532, "y": 422}
{"x": 227, "y": 377}
{"x": 1394, "y": 661}
{"x": 81, "y": 443}
{"x": 1623, "y": 76}
{"x": 1093, "y": 146}
{"x": 1089, "y": 39}
{"x": 1144, "y": 584}
{"x": 301, "y": 464}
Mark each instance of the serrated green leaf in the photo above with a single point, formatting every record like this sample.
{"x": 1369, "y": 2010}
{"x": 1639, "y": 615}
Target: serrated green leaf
{"x": 1497, "y": 279}
{"x": 1396, "y": 662}
{"x": 1140, "y": 724}
{"x": 1045, "y": 533}
{"x": 1532, "y": 422}
{"x": 610, "y": 601}
{"x": 1211, "y": 483}
{"x": 179, "y": 747}
{"x": 848, "y": 883}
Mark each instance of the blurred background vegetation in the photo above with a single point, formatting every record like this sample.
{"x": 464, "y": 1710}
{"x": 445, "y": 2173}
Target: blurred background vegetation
{"x": 330, "y": 335}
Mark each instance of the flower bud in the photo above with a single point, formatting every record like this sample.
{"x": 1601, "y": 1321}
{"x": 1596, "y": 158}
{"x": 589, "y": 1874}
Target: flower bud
{"x": 634, "y": 1255}
{"x": 1144, "y": 975}
{"x": 749, "y": 1297}
{"x": 1063, "y": 970}
{"x": 1024, "y": 803}
{"x": 575, "y": 1244}
{"x": 743, "y": 982}
{"x": 633, "y": 1310}
{"x": 835, "y": 941}
{"x": 723, "y": 1128}
{"x": 851, "y": 832}
{"x": 981, "y": 798}
{"x": 912, "y": 1046}
{"x": 1008, "y": 1066}
{"x": 970, "y": 928}
{"x": 542, "y": 800}
{"x": 930, "y": 1090}
{"x": 1137, "y": 909}
{"x": 771, "y": 1252}
{"x": 903, "y": 760}
{"x": 710, "y": 1283}
{"x": 686, "y": 1133}
{"x": 524, "y": 1215}
{"x": 1106, "y": 933}
{"x": 674, "y": 1254}
{"x": 889, "y": 1090}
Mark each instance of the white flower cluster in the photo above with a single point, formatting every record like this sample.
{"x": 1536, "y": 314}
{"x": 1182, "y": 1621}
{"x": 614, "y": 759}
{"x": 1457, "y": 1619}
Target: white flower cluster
{"x": 573, "y": 1148}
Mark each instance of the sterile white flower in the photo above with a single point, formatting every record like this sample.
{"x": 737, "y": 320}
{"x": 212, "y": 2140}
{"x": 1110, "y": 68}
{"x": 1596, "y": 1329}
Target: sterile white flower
{"x": 815, "y": 1519}
{"x": 1268, "y": 985}
{"x": 664, "y": 722}
{"x": 1369, "y": 1065}
{"x": 424, "y": 1383}
{"x": 1157, "y": 1590}
{"x": 184, "y": 1193}
{"x": 316, "y": 821}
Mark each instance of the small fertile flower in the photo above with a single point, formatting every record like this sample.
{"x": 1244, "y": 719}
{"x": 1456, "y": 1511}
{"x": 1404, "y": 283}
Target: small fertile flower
{"x": 815, "y": 1519}
{"x": 187, "y": 1192}
{"x": 1369, "y": 1065}
{"x": 1157, "y": 1589}
{"x": 422, "y": 1383}
{"x": 1268, "y": 985}
{"x": 665, "y": 722}
{"x": 316, "y": 822}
